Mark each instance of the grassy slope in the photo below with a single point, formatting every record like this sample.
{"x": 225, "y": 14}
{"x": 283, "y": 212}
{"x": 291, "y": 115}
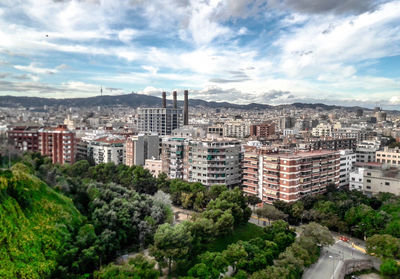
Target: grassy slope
{"x": 32, "y": 236}
{"x": 244, "y": 232}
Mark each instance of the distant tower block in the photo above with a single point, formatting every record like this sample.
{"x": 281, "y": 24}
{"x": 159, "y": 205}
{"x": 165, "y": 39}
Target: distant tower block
{"x": 164, "y": 99}
{"x": 186, "y": 108}
{"x": 175, "y": 101}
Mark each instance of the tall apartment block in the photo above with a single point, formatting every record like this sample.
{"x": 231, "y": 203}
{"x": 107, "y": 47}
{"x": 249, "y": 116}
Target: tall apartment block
{"x": 174, "y": 157}
{"x": 214, "y": 161}
{"x": 165, "y": 119}
{"x": 288, "y": 177}
{"x": 347, "y": 161}
{"x": 24, "y": 138}
{"x": 141, "y": 147}
{"x": 263, "y": 130}
{"x": 109, "y": 149}
{"x": 159, "y": 120}
{"x": 58, "y": 144}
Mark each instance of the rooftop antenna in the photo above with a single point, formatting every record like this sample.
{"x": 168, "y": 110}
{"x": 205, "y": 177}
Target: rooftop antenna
{"x": 101, "y": 90}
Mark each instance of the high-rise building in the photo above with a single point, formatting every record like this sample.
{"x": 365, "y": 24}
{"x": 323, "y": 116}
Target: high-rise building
{"x": 142, "y": 147}
{"x": 288, "y": 176}
{"x": 365, "y": 151}
{"x": 159, "y": 120}
{"x": 174, "y": 157}
{"x": 58, "y": 144}
{"x": 163, "y": 120}
{"x": 347, "y": 161}
{"x": 214, "y": 161}
{"x": 108, "y": 149}
{"x": 24, "y": 138}
{"x": 262, "y": 130}
{"x": 236, "y": 129}
{"x": 286, "y": 122}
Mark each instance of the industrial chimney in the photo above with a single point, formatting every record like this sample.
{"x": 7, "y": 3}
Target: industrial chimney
{"x": 175, "y": 101}
{"x": 186, "y": 108}
{"x": 164, "y": 99}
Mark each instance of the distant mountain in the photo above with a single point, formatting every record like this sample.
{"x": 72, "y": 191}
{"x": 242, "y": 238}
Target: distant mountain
{"x": 139, "y": 100}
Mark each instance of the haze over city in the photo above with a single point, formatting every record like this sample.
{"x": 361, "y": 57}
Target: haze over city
{"x": 270, "y": 52}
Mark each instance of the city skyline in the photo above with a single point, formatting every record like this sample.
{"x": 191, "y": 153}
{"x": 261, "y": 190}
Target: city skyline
{"x": 270, "y": 52}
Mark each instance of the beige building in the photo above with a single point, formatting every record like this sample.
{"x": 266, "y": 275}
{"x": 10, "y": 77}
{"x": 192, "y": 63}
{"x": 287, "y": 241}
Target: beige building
{"x": 382, "y": 179}
{"x": 154, "y": 166}
{"x": 389, "y": 156}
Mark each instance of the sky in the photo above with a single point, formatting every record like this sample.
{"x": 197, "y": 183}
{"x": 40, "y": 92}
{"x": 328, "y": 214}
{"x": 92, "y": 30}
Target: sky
{"x": 264, "y": 51}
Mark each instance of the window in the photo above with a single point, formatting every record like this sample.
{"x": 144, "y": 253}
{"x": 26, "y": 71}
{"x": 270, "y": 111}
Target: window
{"x": 368, "y": 187}
{"x": 387, "y": 183}
{"x": 369, "y": 180}
{"x": 368, "y": 173}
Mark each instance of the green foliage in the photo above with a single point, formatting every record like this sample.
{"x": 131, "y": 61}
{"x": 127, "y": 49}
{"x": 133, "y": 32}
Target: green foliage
{"x": 244, "y": 232}
{"x": 390, "y": 268}
{"x": 33, "y": 226}
{"x": 301, "y": 254}
{"x": 138, "y": 267}
{"x": 171, "y": 243}
{"x": 384, "y": 245}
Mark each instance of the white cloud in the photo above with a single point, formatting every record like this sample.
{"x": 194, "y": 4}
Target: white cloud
{"x": 126, "y": 35}
{"x": 32, "y": 68}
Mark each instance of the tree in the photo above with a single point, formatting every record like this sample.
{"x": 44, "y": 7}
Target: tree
{"x": 271, "y": 213}
{"x": 138, "y": 267}
{"x": 171, "y": 243}
{"x": 144, "y": 181}
{"x": 319, "y": 234}
{"x": 163, "y": 182}
{"x": 253, "y": 200}
{"x": 234, "y": 254}
{"x": 389, "y": 267}
{"x": 384, "y": 245}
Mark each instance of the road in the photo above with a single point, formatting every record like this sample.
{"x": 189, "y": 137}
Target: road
{"x": 331, "y": 260}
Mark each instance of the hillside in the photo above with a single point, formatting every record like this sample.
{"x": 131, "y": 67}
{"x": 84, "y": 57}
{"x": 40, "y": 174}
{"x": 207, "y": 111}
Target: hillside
{"x": 35, "y": 224}
{"x": 135, "y": 100}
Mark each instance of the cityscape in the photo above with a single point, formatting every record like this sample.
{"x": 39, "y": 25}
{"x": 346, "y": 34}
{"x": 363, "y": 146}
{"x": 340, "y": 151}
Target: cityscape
{"x": 116, "y": 161}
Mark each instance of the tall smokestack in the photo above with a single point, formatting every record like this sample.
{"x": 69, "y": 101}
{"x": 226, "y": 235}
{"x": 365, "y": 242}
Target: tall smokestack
{"x": 175, "y": 101}
{"x": 164, "y": 100}
{"x": 186, "y": 108}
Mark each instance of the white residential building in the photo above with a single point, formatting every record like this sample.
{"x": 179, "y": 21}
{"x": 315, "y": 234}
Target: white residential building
{"x": 108, "y": 149}
{"x": 365, "y": 151}
{"x": 356, "y": 179}
{"x": 347, "y": 159}
{"x": 322, "y": 130}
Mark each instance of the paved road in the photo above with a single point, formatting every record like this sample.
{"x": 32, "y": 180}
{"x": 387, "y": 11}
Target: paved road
{"x": 331, "y": 260}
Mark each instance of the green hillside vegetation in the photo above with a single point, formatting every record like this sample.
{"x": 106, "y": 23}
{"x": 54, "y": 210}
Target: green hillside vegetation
{"x": 35, "y": 223}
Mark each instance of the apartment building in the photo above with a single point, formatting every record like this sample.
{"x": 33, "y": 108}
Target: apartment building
{"x": 382, "y": 179}
{"x": 347, "y": 160}
{"x": 236, "y": 129}
{"x": 108, "y": 149}
{"x": 159, "y": 120}
{"x": 322, "y": 130}
{"x": 214, "y": 161}
{"x": 154, "y": 166}
{"x": 289, "y": 176}
{"x": 24, "y": 138}
{"x": 365, "y": 151}
{"x": 141, "y": 147}
{"x": 328, "y": 143}
{"x": 389, "y": 156}
{"x": 217, "y": 130}
{"x": 58, "y": 144}
{"x": 357, "y": 179}
{"x": 174, "y": 157}
{"x": 263, "y": 130}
